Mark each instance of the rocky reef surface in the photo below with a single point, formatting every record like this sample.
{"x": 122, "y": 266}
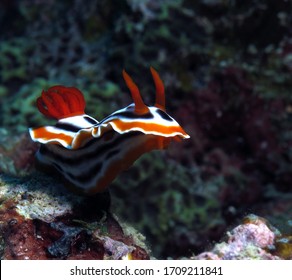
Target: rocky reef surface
{"x": 39, "y": 219}
{"x": 228, "y": 83}
{"x": 254, "y": 239}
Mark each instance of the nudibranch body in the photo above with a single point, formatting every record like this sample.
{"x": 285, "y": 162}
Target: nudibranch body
{"x": 90, "y": 154}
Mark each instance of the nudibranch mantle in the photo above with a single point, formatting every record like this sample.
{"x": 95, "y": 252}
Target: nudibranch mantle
{"x": 90, "y": 154}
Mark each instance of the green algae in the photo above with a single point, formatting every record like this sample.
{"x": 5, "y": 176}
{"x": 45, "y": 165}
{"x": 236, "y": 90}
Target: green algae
{"x": 176, "y": 201}
{"x": 14, "y": 59}
{"x": 22, "y": 106}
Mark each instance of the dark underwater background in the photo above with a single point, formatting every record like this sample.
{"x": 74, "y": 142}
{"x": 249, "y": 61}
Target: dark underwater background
{"x": 227, "y": 70}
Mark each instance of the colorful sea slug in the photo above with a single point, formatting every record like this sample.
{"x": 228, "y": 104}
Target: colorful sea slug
{"x": 90, "y": 154}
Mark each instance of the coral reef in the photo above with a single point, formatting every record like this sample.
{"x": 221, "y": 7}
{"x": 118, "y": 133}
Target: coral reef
{"x": 254, "y": 239}
{"x": 176, "y": 206}
{"x": 41, "y": 220}
{"x": 228, "y": 82}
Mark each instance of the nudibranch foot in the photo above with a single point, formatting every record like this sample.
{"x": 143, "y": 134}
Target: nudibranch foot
{"x": 90, "y": 154}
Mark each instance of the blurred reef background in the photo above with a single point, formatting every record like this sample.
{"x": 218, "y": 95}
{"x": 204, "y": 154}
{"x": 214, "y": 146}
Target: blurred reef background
{"x": 227, "y": 69}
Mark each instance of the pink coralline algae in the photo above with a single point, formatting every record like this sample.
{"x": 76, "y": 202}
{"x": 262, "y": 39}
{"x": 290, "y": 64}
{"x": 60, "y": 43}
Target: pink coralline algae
{"x": 254, "y": 239}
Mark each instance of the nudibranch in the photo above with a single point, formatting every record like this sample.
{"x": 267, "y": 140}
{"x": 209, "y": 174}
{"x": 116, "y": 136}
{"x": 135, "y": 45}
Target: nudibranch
{"x": 90, "y": 154}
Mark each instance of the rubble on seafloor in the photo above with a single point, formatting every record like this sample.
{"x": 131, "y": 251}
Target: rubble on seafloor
{"x": 39, "y": 219}
{"x": 254, "y": 239}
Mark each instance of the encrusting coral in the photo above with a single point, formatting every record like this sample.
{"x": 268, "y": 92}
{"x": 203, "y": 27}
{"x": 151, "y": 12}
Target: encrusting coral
{"x": 254, "y": 239}
{"x": 41, "y": 220}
